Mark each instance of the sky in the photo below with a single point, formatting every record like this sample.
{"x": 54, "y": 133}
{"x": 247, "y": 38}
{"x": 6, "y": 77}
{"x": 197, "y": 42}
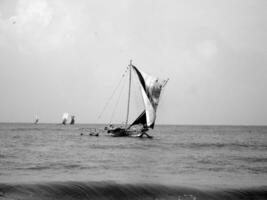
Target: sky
{"x": 68, "y": 56}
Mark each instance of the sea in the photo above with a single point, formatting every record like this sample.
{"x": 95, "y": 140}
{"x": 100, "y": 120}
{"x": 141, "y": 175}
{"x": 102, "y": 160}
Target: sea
{"x": 53, "y": 161}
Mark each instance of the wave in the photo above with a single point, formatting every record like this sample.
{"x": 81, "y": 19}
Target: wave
{"x": 112, "y": 190}
{"x": 221, "y": 145}
{"x": 46, "y": 166}
{"x": 252, "y": 159}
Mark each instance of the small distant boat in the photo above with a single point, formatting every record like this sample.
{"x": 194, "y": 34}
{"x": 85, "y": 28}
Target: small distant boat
{"x": 151, "y": 88}
{"x": 94, "y": 132}
{"x": 65, "y": 118}
{"x": 36, "y": 120}
{"x": 72, "y": 121}
{"x": 91, "y": 132}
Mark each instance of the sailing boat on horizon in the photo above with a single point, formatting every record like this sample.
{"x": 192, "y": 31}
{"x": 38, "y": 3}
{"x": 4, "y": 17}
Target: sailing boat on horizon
{"x": 151, "y": 88}
{"x": 65, "y": 118}
{"x": 36, "y": 119}
{"x": 72, "y": 121}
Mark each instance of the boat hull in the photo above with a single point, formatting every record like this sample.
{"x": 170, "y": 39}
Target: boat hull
{"x": 122, "y": 132}
{"x": 118, "y": 132}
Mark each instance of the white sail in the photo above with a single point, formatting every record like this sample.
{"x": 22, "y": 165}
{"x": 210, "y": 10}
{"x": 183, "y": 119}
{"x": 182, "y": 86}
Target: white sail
{"x": 150, "y": 89}
{"x": 65, "y": 116}
{"x": 150, "y": 111}
{"x": 36, "y": 119}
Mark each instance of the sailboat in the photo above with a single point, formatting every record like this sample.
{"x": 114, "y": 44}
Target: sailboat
{"x": 151, "y": 88}
{"x": 65, "y": 118}
{"x": 72, "y": 121}
{"x": 36, "y": 120}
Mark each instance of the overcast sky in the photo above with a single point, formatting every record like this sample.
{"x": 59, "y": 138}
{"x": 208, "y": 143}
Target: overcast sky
{"x": 67, "y": 56}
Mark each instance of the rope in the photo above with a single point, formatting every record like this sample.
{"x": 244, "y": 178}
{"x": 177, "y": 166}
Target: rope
{"x": 113, "y": 112}
{"x": 109, "y": 99}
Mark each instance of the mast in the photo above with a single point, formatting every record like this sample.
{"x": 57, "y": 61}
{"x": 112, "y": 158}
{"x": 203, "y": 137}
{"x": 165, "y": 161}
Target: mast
{"x": 129, "y": 93}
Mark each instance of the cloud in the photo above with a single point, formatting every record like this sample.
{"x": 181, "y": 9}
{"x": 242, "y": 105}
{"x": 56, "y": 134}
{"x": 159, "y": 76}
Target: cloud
{"x": 34, "y": 12}
{"x": 40, "y": 26}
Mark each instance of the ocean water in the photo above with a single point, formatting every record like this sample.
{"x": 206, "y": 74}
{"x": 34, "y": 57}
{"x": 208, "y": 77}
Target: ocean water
{"x": 50, "y": 161}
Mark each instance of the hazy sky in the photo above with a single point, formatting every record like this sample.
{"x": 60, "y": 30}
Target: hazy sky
{"x": 67, "y": 56}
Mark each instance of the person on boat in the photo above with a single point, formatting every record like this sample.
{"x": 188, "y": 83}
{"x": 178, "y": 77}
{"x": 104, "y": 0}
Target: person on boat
{"x": 109, "y": 127}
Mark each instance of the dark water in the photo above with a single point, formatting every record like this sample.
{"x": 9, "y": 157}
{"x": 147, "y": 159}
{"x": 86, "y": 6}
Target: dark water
{"x": 49, "y": 161}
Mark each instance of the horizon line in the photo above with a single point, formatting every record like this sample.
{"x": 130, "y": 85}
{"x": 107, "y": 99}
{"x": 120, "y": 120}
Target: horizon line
{"x": 171, "y": 124}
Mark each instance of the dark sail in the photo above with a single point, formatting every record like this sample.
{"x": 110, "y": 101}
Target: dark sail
{"x": 141, "y": 79}
{"x": 72, "y": 120}
{"x": 141, "y": 119}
